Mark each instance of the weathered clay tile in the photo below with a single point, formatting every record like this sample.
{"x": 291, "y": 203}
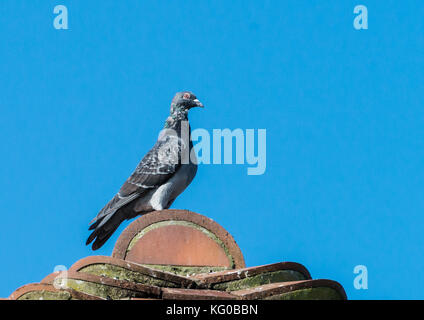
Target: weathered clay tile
{"x": 125, "y": 270}
{"x": 238, "y": 279}
{"x": 40, "y": 291}
{"x": 194, "y": 294}
{"x": 104, "y": 287}
{"x": 320, "y": 289}
{"x": 178, "y": 237}
{"x": 185, "y": 271}
{"x": 49, "y": 279}
{"x": 178, "y": 255}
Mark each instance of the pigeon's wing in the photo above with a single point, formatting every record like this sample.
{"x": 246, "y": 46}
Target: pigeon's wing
{"x": 157, "y": 166}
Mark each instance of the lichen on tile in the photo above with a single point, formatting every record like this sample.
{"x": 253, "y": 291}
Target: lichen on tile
{"x": 320, "y": 293}
{"x": 259, "y": 279}
{"x": 119, "y": 273}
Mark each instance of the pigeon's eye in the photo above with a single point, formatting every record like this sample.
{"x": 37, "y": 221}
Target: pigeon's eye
{"x": 186, "y": 96}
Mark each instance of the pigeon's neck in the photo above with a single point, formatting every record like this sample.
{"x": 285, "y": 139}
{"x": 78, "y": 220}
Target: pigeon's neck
{"x": 176, "y": 116}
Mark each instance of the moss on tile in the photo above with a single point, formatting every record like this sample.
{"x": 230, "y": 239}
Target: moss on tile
{"x": 185, "y": 270}
{"x": 259, "y": 279}
{"x": 46, "y": 295}
{"x": 320, "y": 293}
{"x": 97, "y": 289}
{"x": 120, "y": 273}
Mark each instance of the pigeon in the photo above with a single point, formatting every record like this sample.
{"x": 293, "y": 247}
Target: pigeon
{"x": 160, "y": 177}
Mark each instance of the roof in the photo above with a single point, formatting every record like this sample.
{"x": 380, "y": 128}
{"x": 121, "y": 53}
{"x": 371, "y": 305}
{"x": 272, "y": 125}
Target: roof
{"x": 178, "y": 255}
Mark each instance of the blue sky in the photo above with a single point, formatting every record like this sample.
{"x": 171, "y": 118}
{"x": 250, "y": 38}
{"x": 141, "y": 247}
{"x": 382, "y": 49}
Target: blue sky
{"x": 343, "y": 110}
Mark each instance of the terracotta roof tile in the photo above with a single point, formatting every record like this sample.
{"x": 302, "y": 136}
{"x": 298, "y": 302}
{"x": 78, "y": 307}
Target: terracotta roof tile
{"x": 191, "y": 240}
{"x": 49, "y": 279}
{"x": 193, "y": 294}
{"x": 178, "y": 255}
{"x": 105, "y": 287}
{"x": 125, "y": 270}
{"x": 295, "y": 290}
{"x": 253, "y": 276}
{"x": 39, "y": 291}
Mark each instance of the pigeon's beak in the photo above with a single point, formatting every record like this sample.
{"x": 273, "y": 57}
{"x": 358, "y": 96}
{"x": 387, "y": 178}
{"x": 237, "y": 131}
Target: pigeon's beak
{"x": 198, "y": 103}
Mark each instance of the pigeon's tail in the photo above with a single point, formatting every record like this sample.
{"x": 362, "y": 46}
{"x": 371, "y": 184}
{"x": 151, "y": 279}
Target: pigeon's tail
{"x": 108, "y": 220}
{"x": 107, "y": 226}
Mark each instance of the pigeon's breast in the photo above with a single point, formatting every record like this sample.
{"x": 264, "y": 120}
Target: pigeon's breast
{"x": 182, "y": 178}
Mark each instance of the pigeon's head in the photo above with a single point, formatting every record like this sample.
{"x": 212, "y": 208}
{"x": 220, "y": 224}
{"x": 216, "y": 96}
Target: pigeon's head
{"x": 184, "y": 101}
